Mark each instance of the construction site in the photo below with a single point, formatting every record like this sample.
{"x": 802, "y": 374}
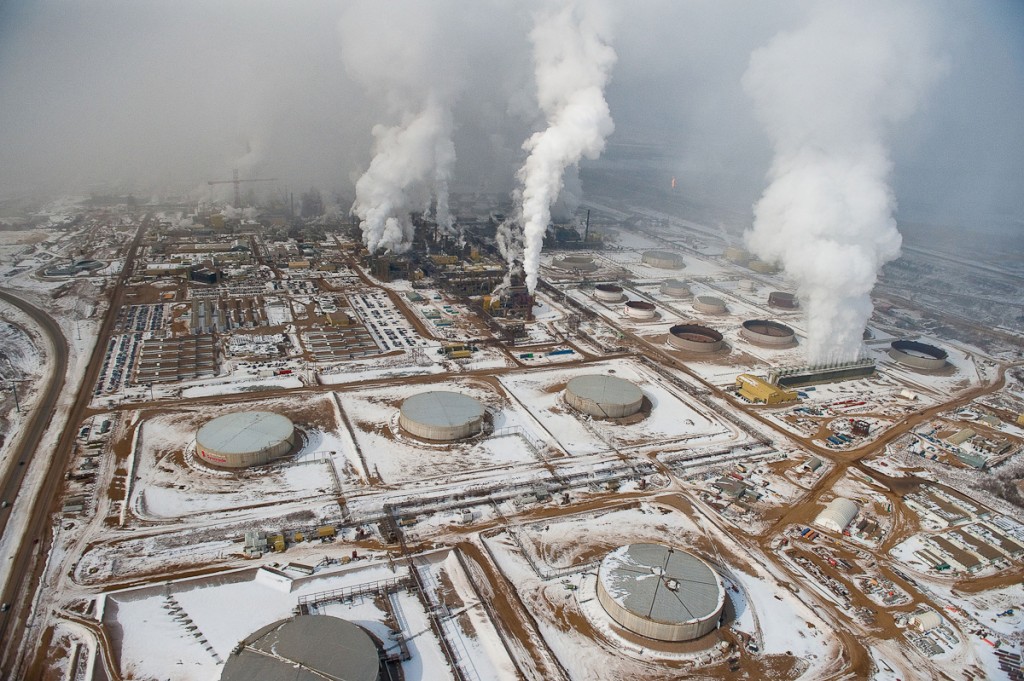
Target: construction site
{"x": 283, "y": 439}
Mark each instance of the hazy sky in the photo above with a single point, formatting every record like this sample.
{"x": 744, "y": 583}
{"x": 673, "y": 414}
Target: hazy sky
{"x": 145, "y": 95}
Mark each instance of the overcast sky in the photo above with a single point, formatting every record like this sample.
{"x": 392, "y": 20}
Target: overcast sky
{"x": 163, "y": 95}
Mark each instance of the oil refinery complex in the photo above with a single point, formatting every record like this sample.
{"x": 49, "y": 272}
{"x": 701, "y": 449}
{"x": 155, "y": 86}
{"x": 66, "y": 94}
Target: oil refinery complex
{"x": 275, "y": 454}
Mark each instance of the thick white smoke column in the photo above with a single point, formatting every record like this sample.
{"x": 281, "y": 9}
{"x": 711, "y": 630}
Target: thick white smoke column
{"x": 572, "y": 62}
{"x": 406, "y": 164}
{"x": 394, "y": 50}
{"x": 827, "y": 94}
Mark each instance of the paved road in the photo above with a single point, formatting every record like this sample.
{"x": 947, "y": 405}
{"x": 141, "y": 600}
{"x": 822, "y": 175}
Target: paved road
{"x": 40, "y": 418}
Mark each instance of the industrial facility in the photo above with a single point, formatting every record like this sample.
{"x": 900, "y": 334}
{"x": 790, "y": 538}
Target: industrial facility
{"x": 918, "y": 355}
{"x": 695, "y": 338}
{"x": 660, "y": 592}
{"x": 305, "y": 648}
{"x": 604, "y": 397}
{"x": 756, "y": 390}
{"x": 793, "y": 377}
{"x": 245, "y": 438}
{"x": 442, "y": 415}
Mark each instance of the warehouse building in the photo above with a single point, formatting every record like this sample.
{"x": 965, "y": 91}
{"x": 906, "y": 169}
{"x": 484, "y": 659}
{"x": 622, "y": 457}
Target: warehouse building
{"x": 756, "y": 390}
{"x": 839, "y": 513}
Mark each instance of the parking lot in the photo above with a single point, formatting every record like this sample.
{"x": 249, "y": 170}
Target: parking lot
{"x": 388, "y": 327}
{"x": 141, "y": 318}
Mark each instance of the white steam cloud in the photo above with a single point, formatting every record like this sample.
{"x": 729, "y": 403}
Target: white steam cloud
{"x": 399, "y": 178}
{"x": 572, "y": 65}
{"x": 827, "y": 94}
{"x": 394, "y": 49}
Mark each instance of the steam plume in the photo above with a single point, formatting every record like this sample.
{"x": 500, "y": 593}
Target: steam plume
{"x": 393, "y": 50}
{"x": 572, "y": 61}
{"x": 399, "y": 177}
{"x": 827, "y": 94}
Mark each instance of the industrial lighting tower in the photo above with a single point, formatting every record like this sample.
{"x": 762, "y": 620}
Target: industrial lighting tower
{"x": 235, "y": 181}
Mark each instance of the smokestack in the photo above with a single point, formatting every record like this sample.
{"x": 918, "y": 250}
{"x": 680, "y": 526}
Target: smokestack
{"x": 586, "y": 229}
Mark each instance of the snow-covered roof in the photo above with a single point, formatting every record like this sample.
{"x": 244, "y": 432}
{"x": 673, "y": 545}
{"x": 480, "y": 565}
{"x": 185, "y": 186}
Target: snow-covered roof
{"x": 245, "y": 431}
{"x": 661, "y": 583}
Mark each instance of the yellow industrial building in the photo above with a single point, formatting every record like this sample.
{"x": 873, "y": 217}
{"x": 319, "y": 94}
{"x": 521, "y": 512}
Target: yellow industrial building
{"x": 759, "y": 391}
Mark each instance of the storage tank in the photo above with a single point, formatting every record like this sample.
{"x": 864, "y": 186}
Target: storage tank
{"x": 583, "y": 263}
{"x": 768, "y": 333}
{"x": 442, "y": 415}
{"x": 245, "y": 438}
{"x": 609, "y": 293}
{"x": 304, "y": 648}
{"x": 695, "y": 338}
{"x": 782, "y": 300}
{"x": 675, "y": 288}
{"x": 709, "y": 305}
{"x": 918, "y": 355}
{"x": 604, "y": 396}
{"x": 660, "y": 592}
{"x": 665, "y": 260}
{"x": 762, "y": 267}
{"x": 640, "y": 309}
{"x": 737, "y": 255}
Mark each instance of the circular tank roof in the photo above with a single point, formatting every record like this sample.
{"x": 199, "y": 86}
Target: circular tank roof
{"x": 662, "y": 259}
{"x": 609, "y": 288}
{"x": 576, "y": 262}
{"x": 920, "y": 350}
{"x": 640, "y": 305}
{"x": 306, "y": 648}
{"x": 765, "y": 327}
{"x": 442, "y": 409}
{"x": 696, "y": 333}
{"x": 662, "y": 584}
{"x": 245, "y": 431}
{"x": 606, "y": 390}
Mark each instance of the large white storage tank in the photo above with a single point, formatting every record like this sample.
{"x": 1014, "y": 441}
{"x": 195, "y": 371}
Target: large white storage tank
{"x": 660, "y": 592}
{"x": 604, "y": 397}
{"x": 245, "y": 438}
{"x": 442, "y": 415}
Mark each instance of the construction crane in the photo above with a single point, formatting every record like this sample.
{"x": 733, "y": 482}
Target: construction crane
{"x": 235, "y": 181}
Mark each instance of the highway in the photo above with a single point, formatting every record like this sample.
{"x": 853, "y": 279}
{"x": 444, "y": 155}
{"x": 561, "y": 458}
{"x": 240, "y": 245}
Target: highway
{"x": 25, "y": 570}
{"x": 37, "y": 423}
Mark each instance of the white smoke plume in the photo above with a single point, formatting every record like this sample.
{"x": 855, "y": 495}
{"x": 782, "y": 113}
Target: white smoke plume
{"x": 444, "y": 164}
{"x": 394, "y": 49}
{"x": 572, "y": 65}
{"x": 399, "y": 177}
{"x": 828, "y": 93}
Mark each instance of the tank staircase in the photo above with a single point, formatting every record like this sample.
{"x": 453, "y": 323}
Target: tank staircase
{"x": 306, "y": 604}
{"x": 178, "y": 614}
